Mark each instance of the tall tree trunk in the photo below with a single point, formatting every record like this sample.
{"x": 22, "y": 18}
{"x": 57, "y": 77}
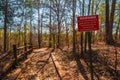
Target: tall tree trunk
{"x": 74, "y": 7}
{"x": 92, "y": 12}
{"x": 50, "y": 34}
{"x": 111, "y": 22}
{"x": 58, "y": 40}
{"x": 107, "y": 21}
{"x": 25, "y": 28}
{"x": 31, "y": 26}
{"x": 58, "y": 19}
{"x": 39, "y": 45}
{"x": 81, "y": 42}
{"x": 30, "y": 32}
{"x": 25, "y": 31}
{"x": 5, "y": 26}
{"x": 41, "y": 29}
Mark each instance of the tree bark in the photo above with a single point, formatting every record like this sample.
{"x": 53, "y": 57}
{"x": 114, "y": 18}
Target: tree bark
{"x": 92, "y": 10}
{"x": 58, "y": 19}
{"x": 5, "y": 26}
{"x": 39, "y": 45}
{"x": 31, "y": 27}
{"x": 67, "y": 36}
{"x": 111, "y": 22}
{"x": 74, "y": 33}
{"x": 107, "y": 21}
{"x": 81, "y": 36}
{"x": 50, "y": 34}
{"x": 25, "y": 31}
{"x": 41, "y": 30}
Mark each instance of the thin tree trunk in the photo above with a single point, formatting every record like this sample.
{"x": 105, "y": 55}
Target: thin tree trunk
{"x": 31, "y": 27}
{"x": 81, "y": 42}
{"x": 39, "y": 45}
{"x": 74, "y": 7}
{"x": 25, "y": 31}
{"x": 58, "y": 19}
{"x": 30, "y": 32}
{"x": 5, "y": 26}
{"x": 107, "y": 22}
{"x": 92, "y": 12}
{"x": 58, "y": 40}
{"x": 10, "y": 38}
{"x": 85, "y": 48}
{"x": 41, "y": 30}
{"x": 18, "y": 37}
{"x": 54, "y": 38}
{"x": 50, "y": 36}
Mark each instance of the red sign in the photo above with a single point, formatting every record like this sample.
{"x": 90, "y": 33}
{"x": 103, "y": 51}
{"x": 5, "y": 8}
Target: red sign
{"x": 88, "y": 23}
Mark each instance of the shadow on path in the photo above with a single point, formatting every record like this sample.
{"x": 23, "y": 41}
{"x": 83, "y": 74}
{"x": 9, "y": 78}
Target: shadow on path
{"x": 102, "y": 66}
{"x": 81, "y": 69}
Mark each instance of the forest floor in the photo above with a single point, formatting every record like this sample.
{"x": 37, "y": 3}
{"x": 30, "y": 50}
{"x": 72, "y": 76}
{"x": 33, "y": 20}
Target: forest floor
{"x": 60, "y": 64}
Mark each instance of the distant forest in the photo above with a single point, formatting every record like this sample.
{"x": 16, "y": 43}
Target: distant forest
{"x": 53, "y": 23}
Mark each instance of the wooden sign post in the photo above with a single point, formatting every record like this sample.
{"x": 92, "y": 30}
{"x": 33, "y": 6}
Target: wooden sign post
{"x": 88, "y": 24}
